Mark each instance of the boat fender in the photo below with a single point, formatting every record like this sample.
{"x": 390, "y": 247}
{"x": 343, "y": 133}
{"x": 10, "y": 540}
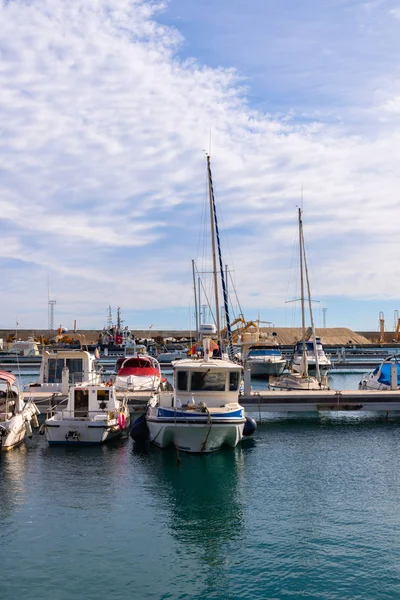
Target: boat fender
{"x": 121, "y": 420}
{"x": 34, "y": 421}
{"x": 42, "y": 429}
{"x": 28, "y": 429}
{"x": 249, "y": 427}
{"x": 139, "y": 430}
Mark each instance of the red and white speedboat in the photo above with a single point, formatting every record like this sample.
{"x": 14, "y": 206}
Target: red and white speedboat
{"x": 138, "y": 373}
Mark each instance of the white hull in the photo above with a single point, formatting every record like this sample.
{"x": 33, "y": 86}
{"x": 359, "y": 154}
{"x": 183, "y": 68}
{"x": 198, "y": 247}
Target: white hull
{"x": 78, "y": 432}
{"x": 371, "y": 383}
{"x": 197, "y": 437}
{"x": 324, "y": 366}
{"x": 13, "y": 430}
{"x": 294, "y": 381}
{"x": 137, "y": 383}
{"x": 260, "y": 368}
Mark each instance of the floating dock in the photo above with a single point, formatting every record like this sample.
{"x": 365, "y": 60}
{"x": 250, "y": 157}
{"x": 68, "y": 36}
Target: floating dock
{"x": 324, "y": 400}
{"x": 268, "y": 400}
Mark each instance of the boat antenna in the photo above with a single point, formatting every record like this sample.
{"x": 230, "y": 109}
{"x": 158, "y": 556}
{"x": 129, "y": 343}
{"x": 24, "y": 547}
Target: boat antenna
{"x": 215, "y": 234}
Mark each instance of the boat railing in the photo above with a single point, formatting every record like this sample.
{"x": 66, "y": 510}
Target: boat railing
{"x": 82, "y": 415}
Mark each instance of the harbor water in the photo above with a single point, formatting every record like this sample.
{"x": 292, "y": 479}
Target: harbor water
{"x": 308, "y": 508}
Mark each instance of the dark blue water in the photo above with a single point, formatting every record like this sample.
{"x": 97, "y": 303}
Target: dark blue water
{"x": 307, "y": 509}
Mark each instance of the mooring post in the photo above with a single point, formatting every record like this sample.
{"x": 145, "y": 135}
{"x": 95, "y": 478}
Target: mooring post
{"x": 247, "y": 382}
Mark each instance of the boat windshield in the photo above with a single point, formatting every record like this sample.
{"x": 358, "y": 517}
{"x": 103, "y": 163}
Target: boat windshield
{"x": 74, "y": 365}
{"x": 263, "y": 352}
{"x": 208, "y": 381}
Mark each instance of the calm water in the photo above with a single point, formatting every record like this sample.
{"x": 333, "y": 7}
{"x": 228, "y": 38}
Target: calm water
{"x": 309, "y": 508}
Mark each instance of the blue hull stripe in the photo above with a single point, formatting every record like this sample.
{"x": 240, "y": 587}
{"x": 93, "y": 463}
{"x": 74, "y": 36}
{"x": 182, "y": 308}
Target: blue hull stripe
{"x": 171, "y": 413}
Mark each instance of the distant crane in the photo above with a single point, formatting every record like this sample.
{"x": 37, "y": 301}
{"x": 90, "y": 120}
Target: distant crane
{"x": 381, "y": 327}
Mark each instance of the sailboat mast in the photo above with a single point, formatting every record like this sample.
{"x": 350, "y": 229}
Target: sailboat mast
{"x": 214, "y": 254}
{"x": 195, "y": 299}
{"x": 303, "y": 317}
{"x": 317, "y": 369}
{"x": 215, "y": 231}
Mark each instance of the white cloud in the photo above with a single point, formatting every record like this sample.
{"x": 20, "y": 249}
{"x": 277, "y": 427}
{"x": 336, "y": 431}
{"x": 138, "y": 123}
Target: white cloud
{"x": 102, "y": 175}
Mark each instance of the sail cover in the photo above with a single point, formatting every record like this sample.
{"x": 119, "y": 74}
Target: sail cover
{"x": 385, "y": 374}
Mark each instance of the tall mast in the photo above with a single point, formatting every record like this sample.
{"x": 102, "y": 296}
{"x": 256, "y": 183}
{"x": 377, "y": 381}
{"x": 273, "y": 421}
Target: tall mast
{"x": 303, "y": 317}
{"x": 195, "y": 300}
{"x": 215, "y": 234}
{"x": 311, "y": 314}
{"x": 214, "y": 254}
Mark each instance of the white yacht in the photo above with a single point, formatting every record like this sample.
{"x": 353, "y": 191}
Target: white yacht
{"x": 324, "y": 362}
{"x": 264, "y": 360}
{"x": 203, "y": 411}
{"x": 16, "y": 415}
{"x": 91, "y": 414}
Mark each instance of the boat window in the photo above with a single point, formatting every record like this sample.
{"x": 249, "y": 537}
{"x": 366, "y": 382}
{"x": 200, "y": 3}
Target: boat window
{"x": 55, "y": 370}
{"x": 182, "y": 380}
{"x": 208, "y": 381}
{"x": 103, "y": 395}
{"x": 234, "y": 381}
{"x": 75, "y": 366}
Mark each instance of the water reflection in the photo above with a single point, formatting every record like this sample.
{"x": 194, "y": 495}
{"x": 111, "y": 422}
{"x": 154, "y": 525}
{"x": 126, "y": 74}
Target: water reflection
{"x": 12, "y": 480}
{"x": 202, "y": 497}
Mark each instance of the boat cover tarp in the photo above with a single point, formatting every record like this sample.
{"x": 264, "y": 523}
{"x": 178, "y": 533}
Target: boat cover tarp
{"x": 385, "y": 373}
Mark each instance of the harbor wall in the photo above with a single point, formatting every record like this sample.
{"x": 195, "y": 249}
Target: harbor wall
{"x": 339, "y": 336}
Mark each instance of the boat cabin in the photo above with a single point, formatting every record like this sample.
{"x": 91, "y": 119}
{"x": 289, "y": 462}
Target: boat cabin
{"x": 215, "y": 382}
{"x": 78, "y": 365}
{"x": 87, "y": 401}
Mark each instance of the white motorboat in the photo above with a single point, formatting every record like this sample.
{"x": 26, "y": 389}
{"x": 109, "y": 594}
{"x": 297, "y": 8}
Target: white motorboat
{"x": 264, "y": 360}
{"x": 311, "y": 350}
{"x": 92, "y": 414}
{"x": 299, "y": 377}
{"x": 384, "y": 377}
{"x": 16, "y": 415}
{"x": 138, "y": 373}
{"x": 203, "y": 411}
{"x": 74, "y": 366}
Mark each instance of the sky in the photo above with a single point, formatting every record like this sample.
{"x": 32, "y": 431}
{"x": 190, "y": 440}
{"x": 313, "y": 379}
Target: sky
{"x": 107, "y": 108}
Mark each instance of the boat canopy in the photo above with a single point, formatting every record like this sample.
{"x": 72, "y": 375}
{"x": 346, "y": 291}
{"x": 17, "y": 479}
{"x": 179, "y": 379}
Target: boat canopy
{"x": 385, "y": 373}
{"x": 7, "y": 377}
{"x": 309, "y": 346}
{"x": 253, "y": 353}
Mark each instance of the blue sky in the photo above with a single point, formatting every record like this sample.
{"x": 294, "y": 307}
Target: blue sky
{"x": 105, "y": 110}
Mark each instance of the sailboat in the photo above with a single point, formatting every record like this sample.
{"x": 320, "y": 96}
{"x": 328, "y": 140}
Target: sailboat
{"x": 203, "y": 411}
{"x": 299, "y": 378}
